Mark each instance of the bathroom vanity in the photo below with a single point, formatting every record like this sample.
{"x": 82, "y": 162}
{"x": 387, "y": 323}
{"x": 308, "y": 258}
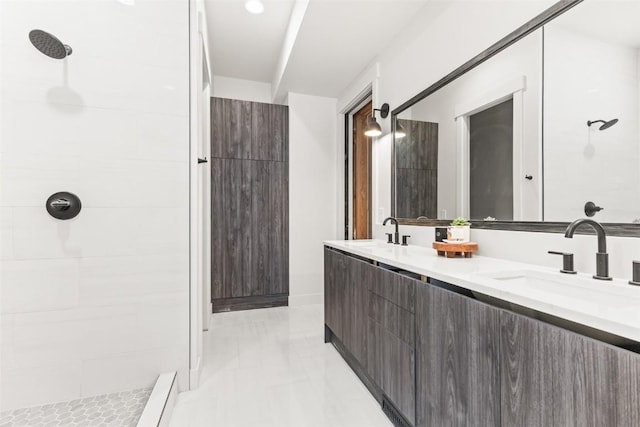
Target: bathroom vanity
{"x": 483, "y": 341}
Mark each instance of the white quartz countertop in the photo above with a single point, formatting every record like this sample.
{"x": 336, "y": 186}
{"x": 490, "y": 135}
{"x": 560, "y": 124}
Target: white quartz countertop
{"x": 611, "y": 306}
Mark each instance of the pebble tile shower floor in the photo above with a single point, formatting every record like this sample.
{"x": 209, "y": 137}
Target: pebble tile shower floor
{"x": 109, "y": 410}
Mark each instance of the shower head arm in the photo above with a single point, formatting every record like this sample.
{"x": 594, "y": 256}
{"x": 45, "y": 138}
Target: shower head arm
{"x": 592, "y": 122}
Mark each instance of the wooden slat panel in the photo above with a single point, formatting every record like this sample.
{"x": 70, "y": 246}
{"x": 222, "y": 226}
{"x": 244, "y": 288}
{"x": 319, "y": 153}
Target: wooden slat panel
{"x": 249, "y": 199}
{"x": 417, "y": 170}
{"x": 458, "y": 366}
{"x": 219, "y": 129}
{"x": 218, "y": 230}
{"x": 234, "y": 174}
{"x": 527, "y": 397}
{"x": 594, "y": 384}
{"x": 279, "y": 211}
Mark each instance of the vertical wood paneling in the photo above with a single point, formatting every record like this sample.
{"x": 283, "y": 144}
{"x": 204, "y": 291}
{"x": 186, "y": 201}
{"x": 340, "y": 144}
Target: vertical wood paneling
{"x": 417, "y": 170}
{"x": 250, "y": 230}
{"x": 627, "y": 399}
{"x": 525, "y": 353}
{"x": 458, "y": 376}
{"x": 217, "y": 228}
{"x": 218, "y": 127}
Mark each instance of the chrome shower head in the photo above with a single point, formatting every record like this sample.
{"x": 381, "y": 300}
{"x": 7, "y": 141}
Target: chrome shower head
{"x": 49, "y": 44}
{"x": 605, "y": 125}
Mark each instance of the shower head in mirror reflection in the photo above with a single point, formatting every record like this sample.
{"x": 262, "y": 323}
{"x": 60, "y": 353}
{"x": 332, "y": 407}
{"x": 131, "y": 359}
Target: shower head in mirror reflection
{"x": 605, "y": 124}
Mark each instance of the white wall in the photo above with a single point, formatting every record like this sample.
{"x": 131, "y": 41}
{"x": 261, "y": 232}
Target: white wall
{"x": 99, "y": 303}
{"x": 519, "y": 64}
{"x": 442, "y": 37}
{"x": 244, "y": 90}
{"x": 312, "y": 197}
{"x": 590, "y": 79}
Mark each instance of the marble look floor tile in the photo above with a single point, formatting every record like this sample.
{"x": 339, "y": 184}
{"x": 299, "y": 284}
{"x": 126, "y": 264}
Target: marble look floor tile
{"x": 271, "y": 368}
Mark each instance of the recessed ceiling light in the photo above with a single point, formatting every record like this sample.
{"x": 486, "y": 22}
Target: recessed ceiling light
{"x": 254, "y": 6}
{"x": 128, "y": 2}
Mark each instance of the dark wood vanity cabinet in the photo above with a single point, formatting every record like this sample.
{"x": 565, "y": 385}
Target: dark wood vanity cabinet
{"x": 346, "y": 290}
{"x": 458, "y": 364}
{"x": 391, "y": 344}
{"x": 444, "y": 358}
{"x": 371, "y": 312}
{"x": 555, "y": 377}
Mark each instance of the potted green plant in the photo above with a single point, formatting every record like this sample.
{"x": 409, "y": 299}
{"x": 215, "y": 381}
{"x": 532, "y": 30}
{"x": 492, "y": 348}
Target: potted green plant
{"x": 459, "y": 231}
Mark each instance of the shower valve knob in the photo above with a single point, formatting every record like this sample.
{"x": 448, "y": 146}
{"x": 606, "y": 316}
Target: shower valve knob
{"x": 61, "y": 204}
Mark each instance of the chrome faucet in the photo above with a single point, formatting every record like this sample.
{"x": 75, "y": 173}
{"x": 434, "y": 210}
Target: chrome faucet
{"x": 602, "y": 258}
{"x": 396, "y": 235}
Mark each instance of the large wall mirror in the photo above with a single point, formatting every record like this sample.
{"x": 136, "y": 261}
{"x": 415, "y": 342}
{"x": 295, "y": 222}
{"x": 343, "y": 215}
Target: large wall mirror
{"x": 541, "y": 129}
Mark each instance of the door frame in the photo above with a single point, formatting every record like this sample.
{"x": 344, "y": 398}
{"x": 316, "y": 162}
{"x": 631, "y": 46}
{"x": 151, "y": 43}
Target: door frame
{"x": 353, "y": 108}
{"x": 511, "y": 89}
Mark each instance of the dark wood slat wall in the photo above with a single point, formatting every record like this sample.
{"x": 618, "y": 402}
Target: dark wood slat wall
{"x": 417, "y": 170}
{"x": 250, "y": 203}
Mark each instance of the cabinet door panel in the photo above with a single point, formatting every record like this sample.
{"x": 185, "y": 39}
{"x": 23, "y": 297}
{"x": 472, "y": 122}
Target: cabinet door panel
{"x": 594, "y": 384}
{"x": 526, "y": 356}
{"x": 458, "y": 381}
{"x": 396, "y": 288}
{"x": 231, "y": 132}
{"x": 398, "y": 374}
{"x": 334, "y": 285}
{"x": 357, "y": 307}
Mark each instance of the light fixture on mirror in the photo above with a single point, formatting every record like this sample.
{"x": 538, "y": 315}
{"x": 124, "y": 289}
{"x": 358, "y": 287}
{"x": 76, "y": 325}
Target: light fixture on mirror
{"x": 254, "y": 6}
{"x": 400, "y": 132}
{"x": 373, "y": 127}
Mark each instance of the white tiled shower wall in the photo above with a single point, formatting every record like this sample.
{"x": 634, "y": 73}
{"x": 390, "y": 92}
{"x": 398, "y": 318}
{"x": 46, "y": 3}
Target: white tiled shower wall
{"x": 98, "y": 303}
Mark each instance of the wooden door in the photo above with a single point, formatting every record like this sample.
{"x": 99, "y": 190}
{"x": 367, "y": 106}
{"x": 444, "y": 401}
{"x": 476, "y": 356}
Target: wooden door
{"x": 249, "y": 201}
{"x": 361, "y": 175}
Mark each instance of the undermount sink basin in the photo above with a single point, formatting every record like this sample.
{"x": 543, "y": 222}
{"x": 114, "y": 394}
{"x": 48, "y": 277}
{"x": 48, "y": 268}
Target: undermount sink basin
{"x": 364, "y": 243}
{"x": 581, "y": 293}
{"x": 578, "y": 289}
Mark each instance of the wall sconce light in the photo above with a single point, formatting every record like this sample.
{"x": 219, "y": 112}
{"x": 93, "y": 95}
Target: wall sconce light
{"x": 400, "y": 132}
{"x": 373, "y": 127}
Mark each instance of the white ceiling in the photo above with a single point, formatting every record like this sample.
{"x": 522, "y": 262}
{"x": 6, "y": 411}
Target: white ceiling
{"x": 337, "y": 39}
{"x": 243, "y": 45}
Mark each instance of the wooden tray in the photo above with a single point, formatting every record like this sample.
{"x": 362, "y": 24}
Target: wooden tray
{"x": 452, "y": 250}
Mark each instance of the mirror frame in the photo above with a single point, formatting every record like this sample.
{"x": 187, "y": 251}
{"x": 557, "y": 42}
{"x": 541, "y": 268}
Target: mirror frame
{"x": 613, "y": 229}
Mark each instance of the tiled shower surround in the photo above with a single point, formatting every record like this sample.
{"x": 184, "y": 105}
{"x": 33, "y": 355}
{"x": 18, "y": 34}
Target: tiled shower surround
{"x": 108, "y": 410}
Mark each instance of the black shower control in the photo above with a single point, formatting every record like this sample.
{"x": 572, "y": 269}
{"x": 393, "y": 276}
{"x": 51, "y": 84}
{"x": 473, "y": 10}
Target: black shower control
{"x": 63, "y": 205}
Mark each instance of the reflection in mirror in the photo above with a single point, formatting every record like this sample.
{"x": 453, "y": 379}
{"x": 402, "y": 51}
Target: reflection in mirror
{"x": 473, "y": 147}
{"x": 592, "y": 69}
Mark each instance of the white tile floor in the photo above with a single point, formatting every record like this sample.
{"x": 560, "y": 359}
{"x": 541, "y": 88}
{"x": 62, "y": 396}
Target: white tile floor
{"x": 270, "y": 367}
